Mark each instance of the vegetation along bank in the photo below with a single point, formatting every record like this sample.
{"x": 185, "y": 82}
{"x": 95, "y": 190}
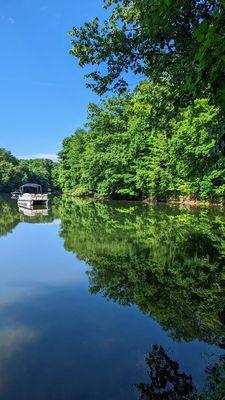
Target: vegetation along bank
{"x": 15, "y": 172}
{"x": 165, "y": 138}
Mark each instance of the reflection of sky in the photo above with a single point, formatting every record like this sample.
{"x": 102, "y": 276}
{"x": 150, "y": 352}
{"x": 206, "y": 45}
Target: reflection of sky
{"x": 12, "y": 341}
{"x": 34, "y": 255}
{"x": 59, "y": 342}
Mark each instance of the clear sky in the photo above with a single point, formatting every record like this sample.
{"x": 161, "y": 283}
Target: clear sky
{"x": 43, "y": 97}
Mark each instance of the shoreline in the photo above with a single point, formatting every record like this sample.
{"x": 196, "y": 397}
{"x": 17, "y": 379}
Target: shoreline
{"x": 187, "y": 202}
{"x": 182, "y": 202}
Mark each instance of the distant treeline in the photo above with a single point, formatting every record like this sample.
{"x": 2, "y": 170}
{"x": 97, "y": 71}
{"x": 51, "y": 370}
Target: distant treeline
{"x": 14, "y": 172}
{"x": 166, "y": 138}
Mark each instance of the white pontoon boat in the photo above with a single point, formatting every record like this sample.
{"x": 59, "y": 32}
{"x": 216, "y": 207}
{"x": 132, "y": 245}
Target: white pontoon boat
{"x": 31, "y": 195}
{"x": 15, "y": 194}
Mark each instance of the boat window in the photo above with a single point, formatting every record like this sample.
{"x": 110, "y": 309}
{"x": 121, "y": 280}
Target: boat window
{"x": 32, "y": 190}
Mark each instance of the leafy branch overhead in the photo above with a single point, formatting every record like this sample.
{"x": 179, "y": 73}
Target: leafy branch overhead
{"x": 182, "y": 39}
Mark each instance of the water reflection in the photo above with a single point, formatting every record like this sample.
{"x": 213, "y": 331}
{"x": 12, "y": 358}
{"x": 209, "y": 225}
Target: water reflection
{"x": 33, "y": 212}
{"x": 166, "y": 262}
{"x": 168, "y": 382}
{"x": 166, "y": 379}
{"x": 9, "y": 216}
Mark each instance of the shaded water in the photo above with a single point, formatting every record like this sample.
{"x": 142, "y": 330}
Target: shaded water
{"x": 112, "y": 301}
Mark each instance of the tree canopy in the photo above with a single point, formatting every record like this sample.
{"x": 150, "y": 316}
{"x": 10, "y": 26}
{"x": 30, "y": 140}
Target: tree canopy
{"x": 142, "y": 145}
{"x": 166, "y": 138}
{"x": 14, "y": 172}
{"x": 181, "y": 39}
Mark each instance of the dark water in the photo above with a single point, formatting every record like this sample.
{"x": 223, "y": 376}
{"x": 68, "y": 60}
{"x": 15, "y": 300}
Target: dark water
{"x": 107, "y": 301}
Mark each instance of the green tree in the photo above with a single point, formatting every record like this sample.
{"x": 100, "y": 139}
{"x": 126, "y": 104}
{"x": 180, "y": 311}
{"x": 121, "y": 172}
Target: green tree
{"x": 183, "y": 39}
{"x": 70, "y": 161}
{"x": 193, "y": 162}
{"x": 38, "y": 171}
{"x": 143, "y": 145}
{"x": 14, "y": 172}
{"x": 7, "y": 156}
{"x": 9, "y": 171}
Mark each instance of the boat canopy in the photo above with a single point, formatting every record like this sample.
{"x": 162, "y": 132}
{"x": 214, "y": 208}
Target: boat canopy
{"x": 31, "y": 188}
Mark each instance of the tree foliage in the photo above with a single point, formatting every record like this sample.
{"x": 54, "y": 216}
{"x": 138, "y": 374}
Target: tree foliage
{"x": 181, "y": 38}
{"x": 10, "y": 171}
{"x": 167, "y": 138}
{"x": 142, "y": 144}
{"x": 14, "y": 172}
{"x": 39, "y": 171}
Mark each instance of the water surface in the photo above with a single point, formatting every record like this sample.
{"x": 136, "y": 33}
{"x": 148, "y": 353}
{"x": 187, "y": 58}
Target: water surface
{"x": 111, "y": 301}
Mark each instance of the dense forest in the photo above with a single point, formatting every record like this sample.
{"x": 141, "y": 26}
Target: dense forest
{"x": 165, "y": 138}
{"x": 14, "y": 172}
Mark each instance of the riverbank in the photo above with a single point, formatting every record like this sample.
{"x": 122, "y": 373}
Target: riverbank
{"x": 186, "y": 202}
{"x": 191, "y": 201}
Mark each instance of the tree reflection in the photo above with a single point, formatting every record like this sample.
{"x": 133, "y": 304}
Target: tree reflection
{"x": 9, "y": 215}
{"x": 170, "y": 262}
{"x": 215, "y": 382}
{"x": 166, "y": 380}
{"x": 168, "y": 383}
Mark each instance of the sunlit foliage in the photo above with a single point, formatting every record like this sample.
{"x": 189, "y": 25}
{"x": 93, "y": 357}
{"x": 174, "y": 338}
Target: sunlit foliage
{"x": 14, "y": 172}
{"x": 181, "y": 39}
{"x": 143, "y": 145}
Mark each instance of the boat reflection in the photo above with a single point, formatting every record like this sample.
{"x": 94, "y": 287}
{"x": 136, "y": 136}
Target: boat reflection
{"x": 33, "y": 212}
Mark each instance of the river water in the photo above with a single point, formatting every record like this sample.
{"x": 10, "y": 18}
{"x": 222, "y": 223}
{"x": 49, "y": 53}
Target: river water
{"x": 111, "y": 301}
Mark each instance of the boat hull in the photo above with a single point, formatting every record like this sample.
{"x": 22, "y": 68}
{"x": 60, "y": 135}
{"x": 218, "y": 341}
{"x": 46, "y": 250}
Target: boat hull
{"x": 30, "y": 200}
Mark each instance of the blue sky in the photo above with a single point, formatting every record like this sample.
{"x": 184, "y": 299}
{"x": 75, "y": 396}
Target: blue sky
{"x": 43, "y": 97}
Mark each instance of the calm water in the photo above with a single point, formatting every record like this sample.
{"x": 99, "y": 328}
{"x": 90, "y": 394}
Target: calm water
{"x": 107, "y": 301}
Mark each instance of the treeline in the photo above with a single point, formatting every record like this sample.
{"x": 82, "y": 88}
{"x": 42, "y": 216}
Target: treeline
{"x": 14, "y": 172}
{"x": 166, "y": 138}
{"x": 142, "y": 144}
